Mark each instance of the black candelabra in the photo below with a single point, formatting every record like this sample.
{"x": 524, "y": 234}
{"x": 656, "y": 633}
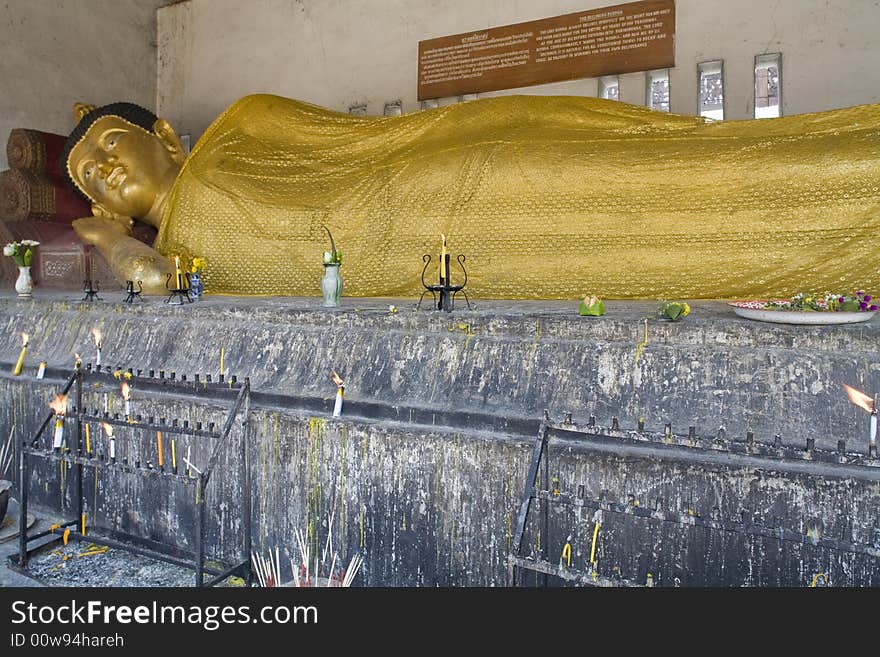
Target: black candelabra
{"x": 181, "y": 289}
{"x": 445, "y": 289}
{"x": 132, "y": 295}
{"x": 90, "y": 290}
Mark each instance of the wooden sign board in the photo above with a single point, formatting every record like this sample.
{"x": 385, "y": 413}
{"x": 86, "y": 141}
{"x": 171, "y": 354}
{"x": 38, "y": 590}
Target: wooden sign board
{"x": 637, "y": 36}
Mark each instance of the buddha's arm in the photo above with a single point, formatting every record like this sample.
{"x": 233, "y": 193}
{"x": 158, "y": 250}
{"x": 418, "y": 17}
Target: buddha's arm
{"x": 129, "y": 259}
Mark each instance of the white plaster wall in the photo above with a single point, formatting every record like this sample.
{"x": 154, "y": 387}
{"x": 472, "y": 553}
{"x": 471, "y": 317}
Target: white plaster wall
{"x": 339, "y": 53}
{"x": 57, "y": 52}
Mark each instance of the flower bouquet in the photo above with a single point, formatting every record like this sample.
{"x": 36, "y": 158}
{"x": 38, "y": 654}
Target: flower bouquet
{"x": 333, "y": 256}
{"x": 22, "y": 252}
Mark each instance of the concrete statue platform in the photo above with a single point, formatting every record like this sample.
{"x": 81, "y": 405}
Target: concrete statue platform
{"x": 508, "y": 359}
{"x": 425, "y": 470}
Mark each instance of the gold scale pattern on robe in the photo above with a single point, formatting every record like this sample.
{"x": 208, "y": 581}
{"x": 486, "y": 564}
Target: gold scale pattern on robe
{"x": 548, "y": 197}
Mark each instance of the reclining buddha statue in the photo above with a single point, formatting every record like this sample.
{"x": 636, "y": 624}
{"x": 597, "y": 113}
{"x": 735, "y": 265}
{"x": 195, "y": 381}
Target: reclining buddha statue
{"x": 548, "y": 197}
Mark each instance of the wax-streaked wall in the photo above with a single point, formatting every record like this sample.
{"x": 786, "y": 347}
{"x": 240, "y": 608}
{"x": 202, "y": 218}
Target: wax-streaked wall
{"x": 338, "y": 53}
{"x": 56, "y": 52}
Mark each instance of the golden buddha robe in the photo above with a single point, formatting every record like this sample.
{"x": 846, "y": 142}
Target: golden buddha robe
{"x": 548, "y": 197}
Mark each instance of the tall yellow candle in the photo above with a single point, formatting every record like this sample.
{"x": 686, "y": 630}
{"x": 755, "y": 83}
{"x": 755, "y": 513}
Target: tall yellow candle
{"x": 88, "y": 441}
{"x": 173, "y": 454}
{"x": 20, "y": 363}
{"x": 159, "y": 444}
{"x": 443, "y": 257}
{"x": 593, "y": 549}
{"x": 179, "y": 273}
{"x": 83, "y": 520}
{"x": 222, "y": 360}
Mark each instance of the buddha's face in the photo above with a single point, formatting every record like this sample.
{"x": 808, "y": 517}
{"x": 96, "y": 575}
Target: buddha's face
{"x": 121, "y": 166}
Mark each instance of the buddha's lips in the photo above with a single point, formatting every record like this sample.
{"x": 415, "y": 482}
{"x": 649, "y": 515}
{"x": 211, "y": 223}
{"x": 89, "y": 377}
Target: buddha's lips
{"x": 116, "y": 178}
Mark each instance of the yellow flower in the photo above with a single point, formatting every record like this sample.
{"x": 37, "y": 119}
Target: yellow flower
{"x": 687, "y": 310}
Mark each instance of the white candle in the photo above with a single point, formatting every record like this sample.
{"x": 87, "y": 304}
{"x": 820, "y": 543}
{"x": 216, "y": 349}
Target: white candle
{"x": 59, "y": 432}
{"x": 873, "y": 428}
{"x": 112, "y": 448}
{"x": 337, "y": 407}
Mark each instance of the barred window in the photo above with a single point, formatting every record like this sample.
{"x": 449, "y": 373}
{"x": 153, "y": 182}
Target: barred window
{"x": 657, "y": 93}
{"x": 768, "y": 86}
{"x": 711, "y": 87}
{"x": 609, "y": 87}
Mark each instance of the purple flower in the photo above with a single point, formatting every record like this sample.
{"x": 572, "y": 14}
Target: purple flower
{"x": 867, "y": 297}
{"x": 841, "y": 300}
{"x": 872, "y": 308}
{"x": 863, "y": 305}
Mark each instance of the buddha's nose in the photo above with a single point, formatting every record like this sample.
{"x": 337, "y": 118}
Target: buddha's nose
{"x": 105, "y": 167}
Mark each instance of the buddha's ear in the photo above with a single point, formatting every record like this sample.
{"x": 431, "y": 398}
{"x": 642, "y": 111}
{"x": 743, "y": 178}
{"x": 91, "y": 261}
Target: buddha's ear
{"x": 170, "y": 140}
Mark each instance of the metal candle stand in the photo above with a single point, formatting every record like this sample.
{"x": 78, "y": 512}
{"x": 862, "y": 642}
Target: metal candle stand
{"x": 238, "y": 394}
{"x": 181, "y": 292}
{"x": 132, "y": 295}
{"x": 90, "y": 291}
{"x": 710, "y": 451}
{"x": 447, "y": 292}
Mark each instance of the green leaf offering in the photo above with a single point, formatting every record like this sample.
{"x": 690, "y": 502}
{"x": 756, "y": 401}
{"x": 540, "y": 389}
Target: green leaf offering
{"x": 592, "y": 307}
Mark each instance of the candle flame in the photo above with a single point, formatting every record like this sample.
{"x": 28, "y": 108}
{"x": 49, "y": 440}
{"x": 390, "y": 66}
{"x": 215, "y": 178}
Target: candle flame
{"x": 108, "y": 429}
{"x": 126, "y": 390}
{"x": 59, "y": 404}
{"x": 338, "y": 379}
{"x": 97, "y": 333}
{"x": 77, "y": 359}
{"x": 859, "y": 398}
{"x": 443, "y": 237}
{"x": 24, "y": 340}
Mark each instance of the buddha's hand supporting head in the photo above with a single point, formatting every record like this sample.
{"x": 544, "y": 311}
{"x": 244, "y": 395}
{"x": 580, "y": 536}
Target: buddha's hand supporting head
{"x": 124, "y": 160}
{"x": 101, "y": 230}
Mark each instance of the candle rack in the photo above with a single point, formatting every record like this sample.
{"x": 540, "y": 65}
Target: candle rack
{"x": 78, "y": 456}
{"x": 710, "y": 452}
{"x": 445, "y": 289}
{"x": 91, "y": 292}
{"x": 131, "y": 294}
{"x": 180, "y": 292}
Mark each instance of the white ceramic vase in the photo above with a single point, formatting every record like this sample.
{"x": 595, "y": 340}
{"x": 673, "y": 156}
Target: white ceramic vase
{"x": 24, "y": 285}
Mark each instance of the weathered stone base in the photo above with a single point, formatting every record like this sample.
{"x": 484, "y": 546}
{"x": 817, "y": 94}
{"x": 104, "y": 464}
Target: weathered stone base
{"x": 425, "y": 470}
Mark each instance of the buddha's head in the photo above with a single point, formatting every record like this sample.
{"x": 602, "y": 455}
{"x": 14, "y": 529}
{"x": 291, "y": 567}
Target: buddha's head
{"x": 122, "y": 158}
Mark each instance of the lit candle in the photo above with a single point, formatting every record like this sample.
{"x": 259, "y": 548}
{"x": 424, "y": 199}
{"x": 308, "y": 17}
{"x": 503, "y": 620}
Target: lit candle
{"x": 173, "y": 455}
{"x": 443, "y": 257}
{"x": 77, "y": 361}
{"x": 108, "y": 429}
{"x": 125, "y": 388}
{"x": 340, "y": 392}
{"x": 41, "y": 370}
{"x": 83, "y": 521}
{"x": 159, "y": 447}
{"x": 179, "y": 273}
{"x": 20, "y": 363}
{"x": 96, "y": 332}
{"x": 59, "y": 432}
{"x": 59, "y": 406}
{"x": 88, "y": 439}
{"x": 222, "y": 360}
